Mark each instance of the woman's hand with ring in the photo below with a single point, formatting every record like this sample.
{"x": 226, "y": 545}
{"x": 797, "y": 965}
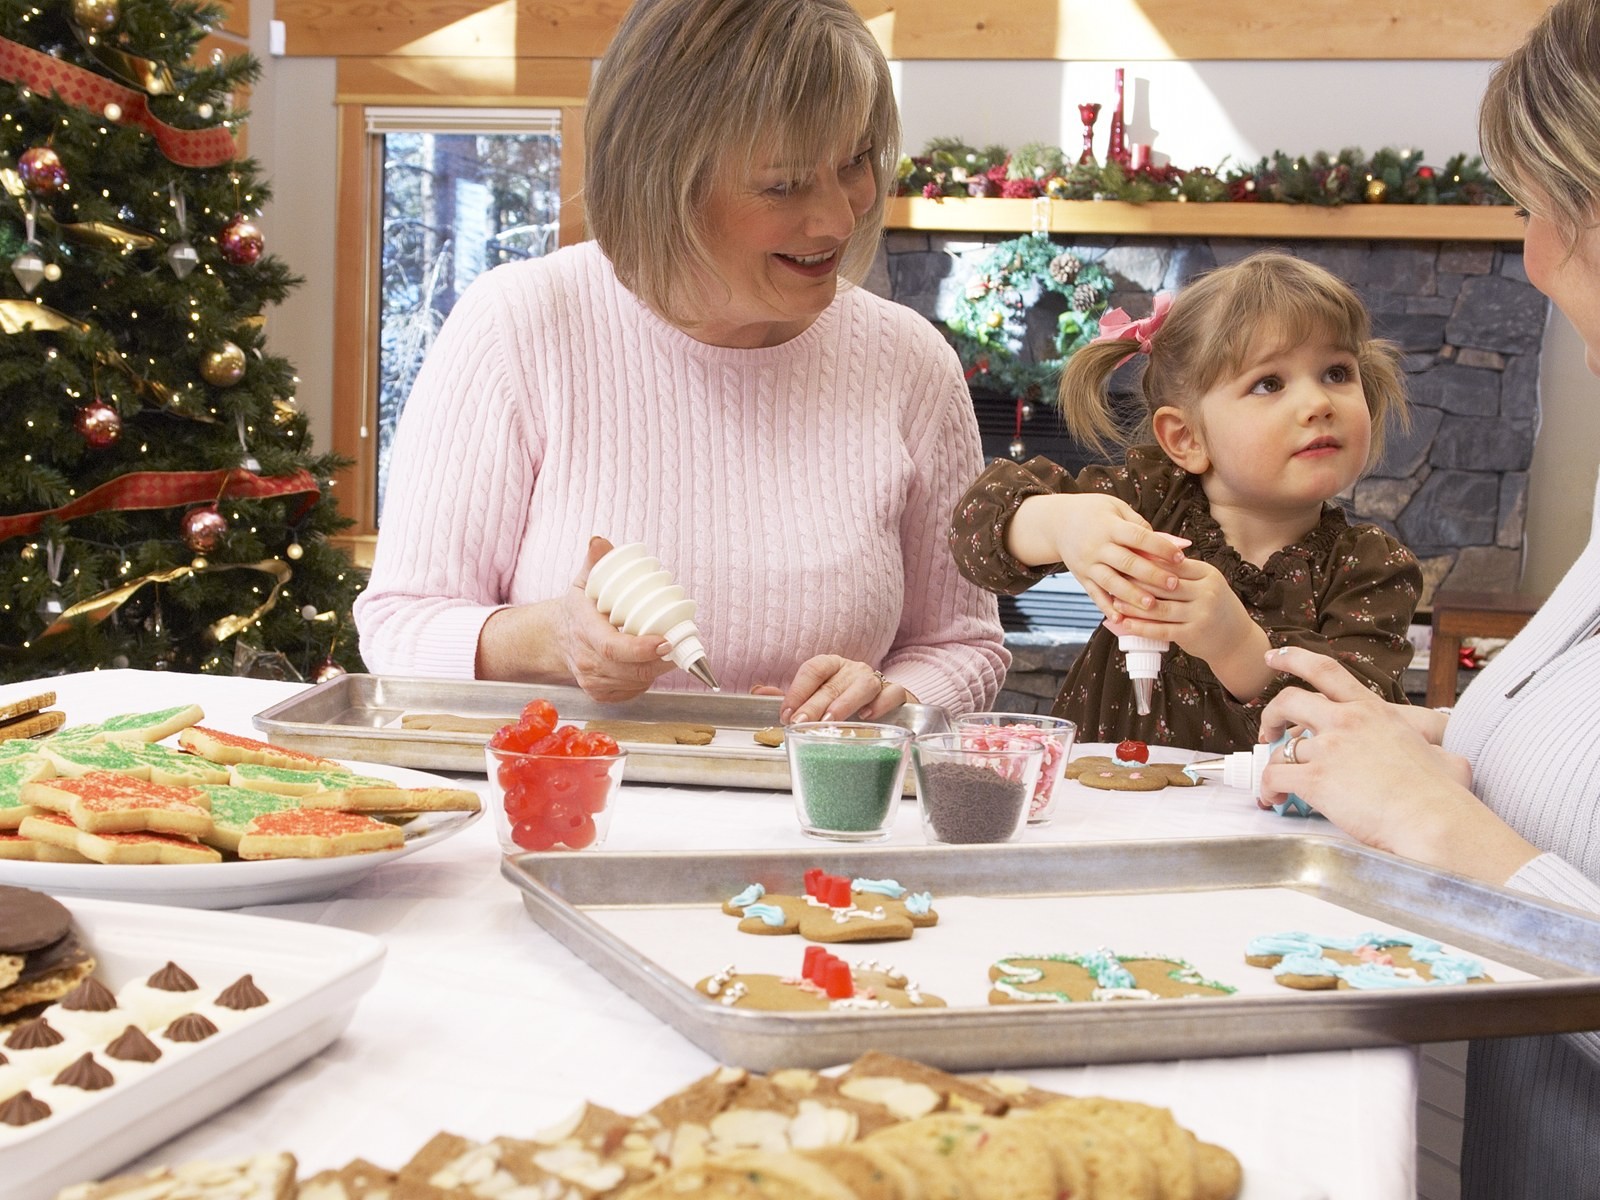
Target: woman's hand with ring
{"x": 830, "y": 687}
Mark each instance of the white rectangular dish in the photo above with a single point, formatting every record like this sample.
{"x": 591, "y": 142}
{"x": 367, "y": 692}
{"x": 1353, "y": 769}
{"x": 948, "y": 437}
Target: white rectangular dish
{"x": 312, "y": 975}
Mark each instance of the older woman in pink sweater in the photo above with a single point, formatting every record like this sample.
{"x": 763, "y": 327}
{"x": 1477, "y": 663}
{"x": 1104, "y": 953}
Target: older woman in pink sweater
{"x": 704, "y": 379}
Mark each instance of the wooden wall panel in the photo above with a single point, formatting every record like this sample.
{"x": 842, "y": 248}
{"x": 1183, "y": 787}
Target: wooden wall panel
{"x": 462, "y": 81}
{"x": 236, "y": 17}
{"x": 1125, "y": 30}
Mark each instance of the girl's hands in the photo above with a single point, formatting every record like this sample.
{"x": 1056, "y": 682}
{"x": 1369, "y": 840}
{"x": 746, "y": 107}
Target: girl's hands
{"x": 833, "y": 688}
{"x": 1373, "y": 772}
{"x": 1204, "y": 616}
{"x": 1109, "y": 548}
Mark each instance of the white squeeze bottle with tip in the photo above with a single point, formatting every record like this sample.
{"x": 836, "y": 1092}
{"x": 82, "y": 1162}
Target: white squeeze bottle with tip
{"x": 1142, "y": 657}
{"x": 634, "y": 593}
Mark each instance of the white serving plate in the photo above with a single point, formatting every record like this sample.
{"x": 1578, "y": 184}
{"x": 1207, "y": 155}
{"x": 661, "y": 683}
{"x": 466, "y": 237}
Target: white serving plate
{"x": 313, "y": 975}
{"x": 238, "y": 884}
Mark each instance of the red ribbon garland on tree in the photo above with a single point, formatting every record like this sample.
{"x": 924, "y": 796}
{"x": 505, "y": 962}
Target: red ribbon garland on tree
{"x": 169, "y": 489}
{"x": 23, "y": 65}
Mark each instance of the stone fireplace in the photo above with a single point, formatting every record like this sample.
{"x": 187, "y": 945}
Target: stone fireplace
{"x": 1453, "y": 487}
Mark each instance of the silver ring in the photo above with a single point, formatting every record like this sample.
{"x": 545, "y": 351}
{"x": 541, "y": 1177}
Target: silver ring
{"x": 1289, "y": 749}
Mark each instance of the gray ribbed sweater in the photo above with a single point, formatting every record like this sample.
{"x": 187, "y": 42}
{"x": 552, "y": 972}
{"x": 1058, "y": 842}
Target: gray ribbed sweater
{"x": 1533, "y": 1104}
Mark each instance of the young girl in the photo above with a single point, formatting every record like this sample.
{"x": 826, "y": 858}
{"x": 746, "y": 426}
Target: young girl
{"x": 1266, "y": 396}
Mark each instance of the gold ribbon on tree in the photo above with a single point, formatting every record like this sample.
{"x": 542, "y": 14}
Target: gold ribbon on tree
{"x": 97, "y": 608}
{"x": 145, "y": 73}
{"x": 29, "y": 316}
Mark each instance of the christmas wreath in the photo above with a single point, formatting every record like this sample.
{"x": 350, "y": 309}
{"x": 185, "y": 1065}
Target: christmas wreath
{"x": 949, "y": 167}
{"x": 990, "y": 324}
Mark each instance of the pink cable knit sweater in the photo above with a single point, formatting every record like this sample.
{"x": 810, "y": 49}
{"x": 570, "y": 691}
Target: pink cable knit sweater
{"x": 799, "y": 493}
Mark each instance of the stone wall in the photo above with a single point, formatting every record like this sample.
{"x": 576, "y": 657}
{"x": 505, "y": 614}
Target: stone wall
{"x": 1454, "y": 486}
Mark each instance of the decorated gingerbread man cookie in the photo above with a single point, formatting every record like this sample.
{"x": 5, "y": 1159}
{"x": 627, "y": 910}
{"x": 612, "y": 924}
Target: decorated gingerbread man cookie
{"x": 834, "y": 909}
{"x": 1129, "y": 771}
{"x": 1317, "y": 962}
{"x": 824, "y": 982}
{"x": 1103, "y": 975}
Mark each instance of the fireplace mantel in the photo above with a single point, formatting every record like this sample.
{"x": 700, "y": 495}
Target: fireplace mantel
{"x": 1411, "y": 222}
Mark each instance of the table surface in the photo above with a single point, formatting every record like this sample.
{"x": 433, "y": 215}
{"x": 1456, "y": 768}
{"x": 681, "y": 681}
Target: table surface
{"x": 482, "y": 1024}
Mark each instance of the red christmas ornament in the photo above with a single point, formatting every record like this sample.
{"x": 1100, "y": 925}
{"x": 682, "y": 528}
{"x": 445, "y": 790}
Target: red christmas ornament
{"x": 98, "y": 423}
{"x": 240, "y": 241}
{"x": 41, "y": 171}
{"x": 325, "y": 670}
{"x": 204, "y": 529}
{"x": 1425, "y": 173}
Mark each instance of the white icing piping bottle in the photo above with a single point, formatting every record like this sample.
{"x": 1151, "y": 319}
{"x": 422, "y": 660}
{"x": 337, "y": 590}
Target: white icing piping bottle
{"x": 634, "y": 593}
{"x": 1142, "y": 657}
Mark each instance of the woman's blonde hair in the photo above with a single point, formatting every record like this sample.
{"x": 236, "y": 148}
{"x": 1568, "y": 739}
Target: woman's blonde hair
{"x": 1539, "y": 123}
{"x": 691, "y": 92}
{"x": 1215, "y": 326}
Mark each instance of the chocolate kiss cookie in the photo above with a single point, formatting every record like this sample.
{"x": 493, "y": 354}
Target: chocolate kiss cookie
{"x": 30, "y": 920}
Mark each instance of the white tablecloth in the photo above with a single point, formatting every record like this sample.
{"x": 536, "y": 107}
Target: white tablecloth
{"x": 482, "y": 1024}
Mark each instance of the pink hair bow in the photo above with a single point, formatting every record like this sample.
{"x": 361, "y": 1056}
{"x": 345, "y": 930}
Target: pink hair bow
{"x": 1116, "y": 325}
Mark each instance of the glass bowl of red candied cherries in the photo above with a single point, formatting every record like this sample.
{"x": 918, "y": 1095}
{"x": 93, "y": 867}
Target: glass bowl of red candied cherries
{"x": 551, "y": 786}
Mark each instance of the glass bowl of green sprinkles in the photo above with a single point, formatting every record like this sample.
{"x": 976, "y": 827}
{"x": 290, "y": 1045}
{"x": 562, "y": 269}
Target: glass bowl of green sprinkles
{"x": 846, "y": 777}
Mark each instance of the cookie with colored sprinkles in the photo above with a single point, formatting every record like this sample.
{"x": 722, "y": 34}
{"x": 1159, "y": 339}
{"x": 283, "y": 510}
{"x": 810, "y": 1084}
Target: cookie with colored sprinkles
{"x": 104, "y": 802}
{"x": 316, "y": 833}
{"x": 225, "y": 749}
{"x": 123, "y": 849}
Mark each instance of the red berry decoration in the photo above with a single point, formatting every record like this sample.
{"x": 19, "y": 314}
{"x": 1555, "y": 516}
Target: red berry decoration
{"x": 241, "y": 241}
{"x": 99, "y": 424}
{"x": 41, "y": 171}
{"x": 204, "y": 529}
{"x": 1131, "y": 751}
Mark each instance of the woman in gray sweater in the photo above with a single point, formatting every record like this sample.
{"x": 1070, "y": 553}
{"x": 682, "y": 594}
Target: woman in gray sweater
{"x": 1397, "y": 777}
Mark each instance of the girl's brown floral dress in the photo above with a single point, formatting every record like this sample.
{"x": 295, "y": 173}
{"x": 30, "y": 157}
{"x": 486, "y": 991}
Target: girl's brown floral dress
{"x": 1347, "y": 591}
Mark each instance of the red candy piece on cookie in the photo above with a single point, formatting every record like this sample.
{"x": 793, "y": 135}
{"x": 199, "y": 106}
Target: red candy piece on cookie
{"x": 1132, "y": 751}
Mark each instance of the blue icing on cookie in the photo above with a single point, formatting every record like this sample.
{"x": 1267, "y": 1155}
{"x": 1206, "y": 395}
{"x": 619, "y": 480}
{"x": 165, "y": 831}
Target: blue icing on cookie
{"x": 880, "y": 887}
{"x": 919, "y": 904}
{"x": 767, "y": 914}
{"x": 749, "y": 896}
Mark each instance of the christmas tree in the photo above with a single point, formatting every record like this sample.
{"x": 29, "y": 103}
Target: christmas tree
{"x": 160, "y": 502}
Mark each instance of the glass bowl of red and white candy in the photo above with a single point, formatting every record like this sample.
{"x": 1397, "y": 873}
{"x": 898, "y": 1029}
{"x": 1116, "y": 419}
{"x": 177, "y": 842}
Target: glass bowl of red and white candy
{"x": 551, "y": 786}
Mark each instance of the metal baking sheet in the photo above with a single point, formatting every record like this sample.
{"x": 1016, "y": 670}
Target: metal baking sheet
{"x": 1547, "y": 956}
{"x": 358, "y": 717}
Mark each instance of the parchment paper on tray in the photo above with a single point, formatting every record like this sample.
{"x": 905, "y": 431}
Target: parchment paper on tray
{"x": 365, "y": 717}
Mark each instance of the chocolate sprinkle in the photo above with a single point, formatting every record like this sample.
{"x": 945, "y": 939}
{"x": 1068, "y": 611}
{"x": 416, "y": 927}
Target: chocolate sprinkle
{"x": 23, "y": 1109}
{"x": 89, "y": 996}
{"x": 84, "y": 1073}
{"x": 241, "y": 994}
{"x": 33, "y": 1035}
{"x": 131, "y": 1045}
{"x": 172, "y": 978}
{"x": 191, "y": 1027}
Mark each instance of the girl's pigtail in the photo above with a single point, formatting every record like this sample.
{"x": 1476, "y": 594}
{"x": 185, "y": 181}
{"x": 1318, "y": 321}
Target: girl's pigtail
{"x": 1085, "y": 394}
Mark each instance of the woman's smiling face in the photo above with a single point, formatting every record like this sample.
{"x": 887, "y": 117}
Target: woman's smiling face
{"x": 776, "y": 238}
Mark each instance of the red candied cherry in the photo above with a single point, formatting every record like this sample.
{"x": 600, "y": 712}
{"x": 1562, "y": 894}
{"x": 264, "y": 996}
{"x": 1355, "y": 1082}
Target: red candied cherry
{"x": 533, "y": 835}
{"x": 563, "y": 816}
{"x": 523, "y": 804}
{"x": 1132, "y": 751}
{"x": 539, "y": 716}
{"x": 594, "y": 745}
{"x": 582, "y": 834}
{"x": 561, "y": 740}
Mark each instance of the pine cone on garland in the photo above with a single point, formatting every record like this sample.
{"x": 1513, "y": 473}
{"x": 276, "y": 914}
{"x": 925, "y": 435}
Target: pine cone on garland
{"x": 1084, "y": 297}
{"x": 1064, "y": 268}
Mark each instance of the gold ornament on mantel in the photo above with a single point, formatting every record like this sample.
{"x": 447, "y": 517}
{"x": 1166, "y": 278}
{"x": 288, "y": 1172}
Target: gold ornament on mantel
{"x": 224, "y": 366}
{"x": 96, "y": 16}
{"x": 1377, "y": 191}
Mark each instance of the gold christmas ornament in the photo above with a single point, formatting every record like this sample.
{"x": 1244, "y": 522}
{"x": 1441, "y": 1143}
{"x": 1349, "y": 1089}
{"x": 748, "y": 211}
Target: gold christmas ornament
{"x": 1377, "y": 191}
{"x": 224, "y": 366}
{"x": 29, "y": 552}
{"x": 96, "y": 16}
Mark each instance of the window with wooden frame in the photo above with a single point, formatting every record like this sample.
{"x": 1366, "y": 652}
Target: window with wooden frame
{"x": 441, "y": 187}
